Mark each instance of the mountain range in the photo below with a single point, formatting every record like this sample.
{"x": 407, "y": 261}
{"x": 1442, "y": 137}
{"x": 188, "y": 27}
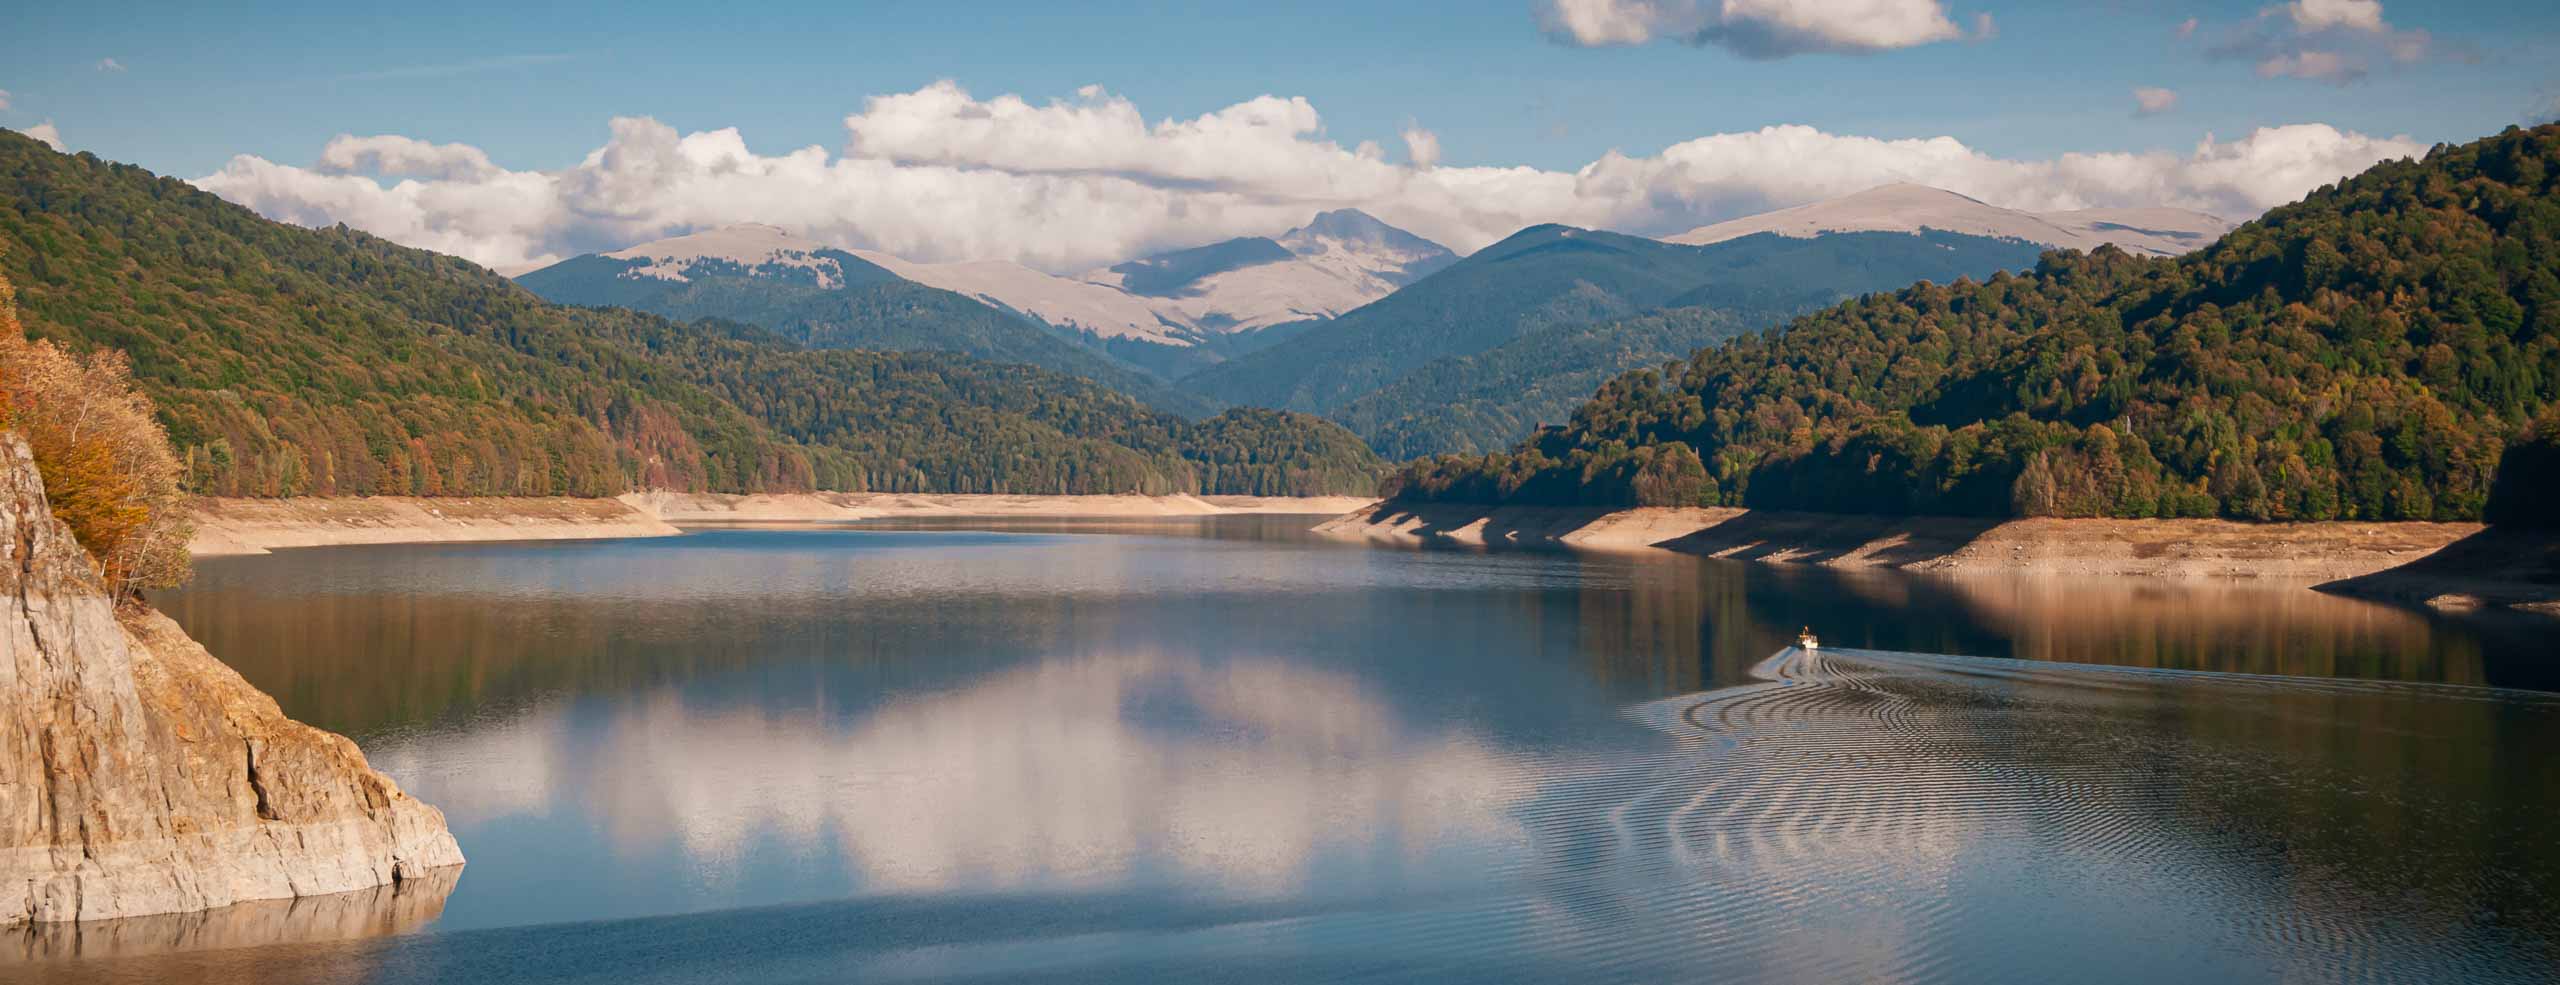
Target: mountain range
{"x": 1418, "y": 350}
{"x": 826, "y": 298}
{"x": 2368, "y": 353}
{"x": 1339, "y": 261}
{"x": 1910, "y": 208}
{"x": 293, "y": 361}
{"x": 1160, "y": 312}
{"x": 1516, "y": 333}
{"x": 1174, "y": 313}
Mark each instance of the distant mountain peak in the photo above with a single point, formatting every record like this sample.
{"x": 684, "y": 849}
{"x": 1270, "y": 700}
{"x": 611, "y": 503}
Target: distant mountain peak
{"x": 1347, "y": 224}
{"x": 739, "y": 241}
{"x": 1337, "y": 227}
{"x": 1912, "y": 192}
{"x": 1351, "y": 240}
{"x": 1909, "y": 207}
{"x": 749, "y": 245}
{"x": 1341, "y": 259}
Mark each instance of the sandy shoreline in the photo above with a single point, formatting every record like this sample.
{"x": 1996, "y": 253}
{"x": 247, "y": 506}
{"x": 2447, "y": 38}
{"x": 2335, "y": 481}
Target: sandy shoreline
{"x": 2445, "y": 565}
{"x": 719, "y": 508}
{"x": 256, "y": 526}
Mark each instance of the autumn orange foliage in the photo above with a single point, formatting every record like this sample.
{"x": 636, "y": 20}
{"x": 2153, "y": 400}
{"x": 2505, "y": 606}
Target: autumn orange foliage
{"x": 108, "y": 471}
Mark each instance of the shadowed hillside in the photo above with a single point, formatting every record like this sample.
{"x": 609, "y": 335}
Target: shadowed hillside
{"x": 1475, "y": 355}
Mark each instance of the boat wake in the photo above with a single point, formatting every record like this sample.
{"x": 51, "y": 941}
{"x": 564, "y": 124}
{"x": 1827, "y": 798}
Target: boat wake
{"x": 1852, "y": 815}
{"x": 1884, "y": 815}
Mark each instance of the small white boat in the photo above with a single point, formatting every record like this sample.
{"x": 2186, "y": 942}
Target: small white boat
{"x": 1807, "y": 640}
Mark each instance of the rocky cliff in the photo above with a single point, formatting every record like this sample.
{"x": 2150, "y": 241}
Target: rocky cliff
{"x": 139, "y": 775}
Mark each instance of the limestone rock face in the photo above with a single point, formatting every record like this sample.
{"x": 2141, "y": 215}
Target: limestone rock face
{"x": 396, "y": 908}
{"x": 139, "y": 775}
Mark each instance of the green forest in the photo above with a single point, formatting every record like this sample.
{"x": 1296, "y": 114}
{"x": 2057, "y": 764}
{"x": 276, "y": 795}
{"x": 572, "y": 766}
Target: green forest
{"x": 287, "y": 361}
{"x": 1489, "y": 399}
{"x": 871, "y": 309}
{"x": 2368, "y": 353}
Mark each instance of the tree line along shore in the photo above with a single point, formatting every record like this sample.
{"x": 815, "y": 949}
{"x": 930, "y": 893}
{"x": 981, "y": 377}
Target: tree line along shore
{"x": 2385, "y": 351}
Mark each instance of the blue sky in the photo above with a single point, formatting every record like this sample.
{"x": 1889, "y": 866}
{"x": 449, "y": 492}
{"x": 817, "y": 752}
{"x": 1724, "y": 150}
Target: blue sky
{"x": 534, "y": 87}
{"x": 190, "y": 87}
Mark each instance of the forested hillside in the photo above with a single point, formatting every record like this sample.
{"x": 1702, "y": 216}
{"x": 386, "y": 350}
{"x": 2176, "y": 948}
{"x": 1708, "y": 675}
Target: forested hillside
{"x": 1543, "y": 275}
{"x": 933, "y": 421}
{"x": 289, "y": 361}
{"x": 1474, "y": 355}
{"x": 1490, "y": 399}
{"x": 2367, "y": 353}
{"x": 865, "y": 307}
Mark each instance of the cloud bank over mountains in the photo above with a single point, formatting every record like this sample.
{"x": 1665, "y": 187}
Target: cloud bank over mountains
{"x": 938, "y": 174}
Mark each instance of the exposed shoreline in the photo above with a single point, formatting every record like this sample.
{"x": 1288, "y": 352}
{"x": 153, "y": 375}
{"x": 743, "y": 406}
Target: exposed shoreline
{"x": 2444, "y": 565}
{"x": 256, "y": 526}
{"x": 819, "y": 507}
{"x": 228, "y": 527}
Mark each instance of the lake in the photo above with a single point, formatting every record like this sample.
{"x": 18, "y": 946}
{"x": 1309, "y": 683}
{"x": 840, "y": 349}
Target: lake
{"x": 1224, "y": 749}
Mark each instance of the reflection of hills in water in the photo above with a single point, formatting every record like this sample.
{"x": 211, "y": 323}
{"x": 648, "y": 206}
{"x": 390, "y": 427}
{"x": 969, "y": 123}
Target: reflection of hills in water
{"x": 1853, "y": 816}
{"x": 1123, "y": 757}
{"x": 1070, "y": 774}
{"x": 2219, "y": 626}
{"x": 442, "y": 633}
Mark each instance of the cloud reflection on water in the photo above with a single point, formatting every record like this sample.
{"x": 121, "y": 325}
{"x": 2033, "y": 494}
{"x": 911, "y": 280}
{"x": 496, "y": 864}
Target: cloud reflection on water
{"x": 1081, "y": 772}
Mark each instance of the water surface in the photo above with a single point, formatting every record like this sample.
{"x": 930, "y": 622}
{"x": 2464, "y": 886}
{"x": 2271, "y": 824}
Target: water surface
{"x": 1218, "y": 748}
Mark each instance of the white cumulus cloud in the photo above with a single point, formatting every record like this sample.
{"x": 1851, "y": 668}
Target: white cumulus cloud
{"x": 940, "y": 175}
{"x": 1756, "y": 28}
{"x": 47, "y": 135}
{"x": 2153, "y": 101}
{"x": 395, "y": 156}
{"x": 2316, "y": 15}
{"x": 110, "y": 65}
{"x": 1422, "y": 147}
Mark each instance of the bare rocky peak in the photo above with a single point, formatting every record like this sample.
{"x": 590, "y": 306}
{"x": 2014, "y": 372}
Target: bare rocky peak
{"x": 1338, "y": 261}
{"x": 1353, "y": 228}
{"x": 1910, "y": 208}
{"x": 745, "y": 244}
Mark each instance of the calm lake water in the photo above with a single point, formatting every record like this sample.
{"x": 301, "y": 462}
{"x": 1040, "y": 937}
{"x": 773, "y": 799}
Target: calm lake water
{"x": 1220, "y": 749}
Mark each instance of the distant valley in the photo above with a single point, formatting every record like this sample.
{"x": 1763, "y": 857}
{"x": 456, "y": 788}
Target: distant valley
{"x": 287, "y": 361}
{"x": 1416, "y": 349}
{"x": 1337, "y": 262}
{"x": 828, "y": 298}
